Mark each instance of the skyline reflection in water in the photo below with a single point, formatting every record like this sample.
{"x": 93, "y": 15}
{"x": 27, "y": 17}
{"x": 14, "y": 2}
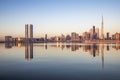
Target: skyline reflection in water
{"x": 93, "y": 49}
{"x": 61, "y": 59}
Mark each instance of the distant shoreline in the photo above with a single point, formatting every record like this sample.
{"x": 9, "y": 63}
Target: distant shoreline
{"x": 102, "y": 41}
{"x": 2, "y": 41}
{"x": 85, "y": 42}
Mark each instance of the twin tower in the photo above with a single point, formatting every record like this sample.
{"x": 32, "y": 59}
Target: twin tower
{"x": 29, "y": 32}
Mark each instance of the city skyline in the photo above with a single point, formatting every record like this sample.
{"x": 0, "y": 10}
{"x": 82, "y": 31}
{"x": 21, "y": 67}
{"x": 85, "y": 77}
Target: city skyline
{"x": 92, "y": 34}
{"x": 57, "y": 17}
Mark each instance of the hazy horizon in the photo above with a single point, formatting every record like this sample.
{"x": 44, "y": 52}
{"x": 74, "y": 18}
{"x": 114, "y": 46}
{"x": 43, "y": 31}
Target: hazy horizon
{"x": 56, "y": 17}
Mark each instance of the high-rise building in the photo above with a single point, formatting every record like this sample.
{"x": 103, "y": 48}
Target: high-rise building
{"x": 107, "y": 35}
{"x": 97, "y": 31}
{"x": 29, "y": 32}
{"x": 68, "y": 38}
{"x": 93, "y": 29}
{"x": 94, "y": 33}
{"x": 102, "y": 29}
{"x": 8, "y": 39}
{"x": 117, "y": 36}
{"x": 91, "y": 33}
{"x": 86, "y": 36}
{"x": 56, "y": 38}
{"x": 74, "y": 36}
{"x": 62, "y": 38}
{"x": 46, "y": 38}
{"x": 77, "y": 37}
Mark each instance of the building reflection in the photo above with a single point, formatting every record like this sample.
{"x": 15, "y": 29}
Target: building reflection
{"x": 92, "y": 49}
{"x": 107, "y": 47}
{"x": 62, "y": 47}
{"x": 74, "y": 47}
{"x": 67, "y": 46}
{"x": 19, "y": 45}
{"x": 117, "y": 46}
{"x": 102, "y": 54}
{"x": 8, "y": 45}
{"x": 46, "y": 46}
{"x": 28, "y": 51}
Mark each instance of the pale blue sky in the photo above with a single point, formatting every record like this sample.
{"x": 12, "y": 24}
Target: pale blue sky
{"x": 55, "y": 17}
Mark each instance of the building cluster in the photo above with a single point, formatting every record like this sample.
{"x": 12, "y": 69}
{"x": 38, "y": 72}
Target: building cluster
{"x": 115, "y": 36}
{"x": 92, "y": 35}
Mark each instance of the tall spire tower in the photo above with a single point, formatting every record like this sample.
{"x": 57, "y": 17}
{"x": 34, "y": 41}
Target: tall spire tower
{"x": 102, "y": 29}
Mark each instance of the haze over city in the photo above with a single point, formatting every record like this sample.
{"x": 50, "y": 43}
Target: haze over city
{"x": 56, "y": 17}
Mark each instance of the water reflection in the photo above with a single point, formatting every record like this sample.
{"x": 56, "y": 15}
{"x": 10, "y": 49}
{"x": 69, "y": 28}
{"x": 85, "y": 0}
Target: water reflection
{"x": 8, "y": 45}
{"x": 102, "y": 52}
{"x": 107, "y": 47}
{"x": 92, "y": 49}
{"x": 77, "y": 60}
{"x": 28, "y": 51}
{"x": 117, "y": 46}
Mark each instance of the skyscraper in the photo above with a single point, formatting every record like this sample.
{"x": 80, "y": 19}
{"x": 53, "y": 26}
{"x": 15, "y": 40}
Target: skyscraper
{"x": 97, "y": 31}
{"x": 8, "y": 38}
{"x": 74, "y": 36}
{"x": 86, "y": 36}
{"x": 45, "y": 37}
{"x": 62, "y": 38}
{"x": 93, "y": 29}
{"x": 102, "y": 29}
{"x": 29, "y": 32}
{"x": 91, "y": 33}
{"x": 94, "y": 33}
{"x": 107, "y": 36}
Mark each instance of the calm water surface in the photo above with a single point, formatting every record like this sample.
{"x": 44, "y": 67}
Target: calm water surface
{"x": 59, "y": 61}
